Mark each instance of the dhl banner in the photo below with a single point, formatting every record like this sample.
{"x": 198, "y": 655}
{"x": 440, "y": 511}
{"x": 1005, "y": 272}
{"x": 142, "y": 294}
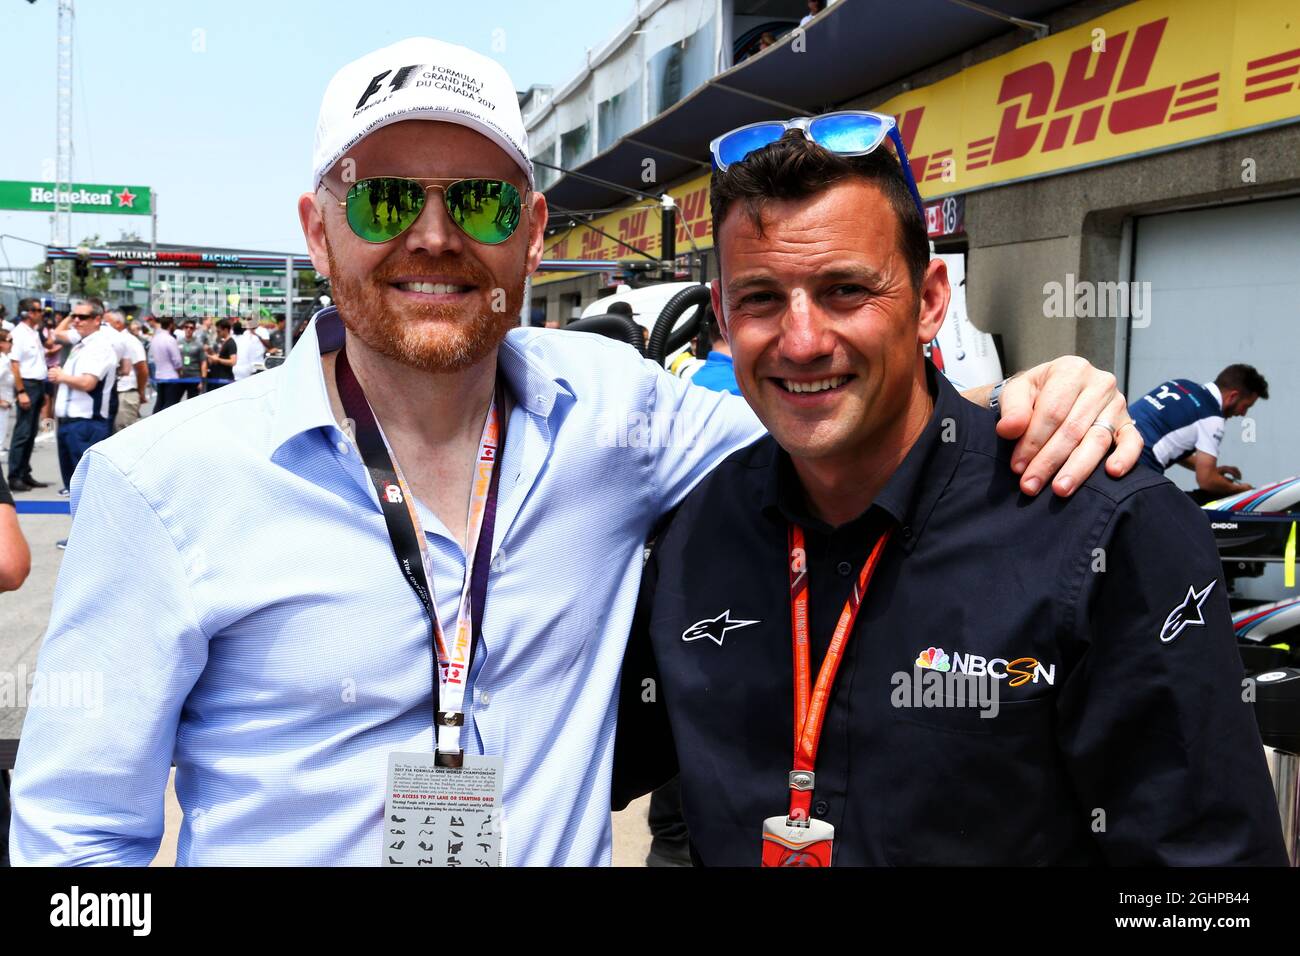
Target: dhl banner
{"x": 638, "y": 226}
{"x": 1145, "y": 77}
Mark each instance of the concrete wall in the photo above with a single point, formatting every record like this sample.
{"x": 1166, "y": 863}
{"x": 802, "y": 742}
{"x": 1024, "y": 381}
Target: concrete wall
{"x": 1028, "y": 234}
{"x": 585, "y": 286}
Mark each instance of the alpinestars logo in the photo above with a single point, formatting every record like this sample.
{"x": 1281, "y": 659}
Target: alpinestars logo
{"x": 1186, "y": 614}
{"x": 715, "y": 628}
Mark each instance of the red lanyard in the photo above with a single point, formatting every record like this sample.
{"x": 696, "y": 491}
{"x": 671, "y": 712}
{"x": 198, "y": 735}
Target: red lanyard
{"x": 810, "y": 703}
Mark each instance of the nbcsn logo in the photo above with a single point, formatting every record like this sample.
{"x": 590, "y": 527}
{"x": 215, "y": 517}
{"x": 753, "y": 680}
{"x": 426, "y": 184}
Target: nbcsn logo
{"x": 934, "y": 658}
{"x": 1018, "y": 672}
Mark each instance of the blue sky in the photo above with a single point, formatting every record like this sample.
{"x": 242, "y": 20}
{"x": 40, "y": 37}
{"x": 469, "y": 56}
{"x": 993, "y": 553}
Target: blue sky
{"x": 226, "y": 131}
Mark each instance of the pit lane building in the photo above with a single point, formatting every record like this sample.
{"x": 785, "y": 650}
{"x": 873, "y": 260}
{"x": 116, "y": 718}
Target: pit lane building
{"x": 1121, "y": 178}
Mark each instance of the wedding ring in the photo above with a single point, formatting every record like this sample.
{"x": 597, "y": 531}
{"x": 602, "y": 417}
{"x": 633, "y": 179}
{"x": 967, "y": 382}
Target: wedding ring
{"x": 1108, "y": 426}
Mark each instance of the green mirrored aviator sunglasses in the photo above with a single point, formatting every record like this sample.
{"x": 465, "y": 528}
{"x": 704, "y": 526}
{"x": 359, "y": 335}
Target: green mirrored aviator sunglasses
{"x": 383, "y": 207}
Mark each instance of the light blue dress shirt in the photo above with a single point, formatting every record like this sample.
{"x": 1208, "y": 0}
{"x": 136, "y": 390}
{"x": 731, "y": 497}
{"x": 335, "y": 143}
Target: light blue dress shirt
{"x": 273, "y": 650}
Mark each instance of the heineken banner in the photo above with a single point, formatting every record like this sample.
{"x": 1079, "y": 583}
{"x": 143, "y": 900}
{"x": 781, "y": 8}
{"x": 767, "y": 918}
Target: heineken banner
{"x": 84, "y": 197}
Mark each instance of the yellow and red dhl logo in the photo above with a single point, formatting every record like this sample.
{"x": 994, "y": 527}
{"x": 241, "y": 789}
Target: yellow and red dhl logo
{"x": 694, "y": 217}
{"x": 1279, "y": 66}
{"x": 1145, "y": 76}
{"x": 639, "y": 227}
{"x": 1095, "y": 93}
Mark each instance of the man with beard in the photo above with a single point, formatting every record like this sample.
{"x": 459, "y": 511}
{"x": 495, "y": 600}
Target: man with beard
{"x": 280, "y": 663}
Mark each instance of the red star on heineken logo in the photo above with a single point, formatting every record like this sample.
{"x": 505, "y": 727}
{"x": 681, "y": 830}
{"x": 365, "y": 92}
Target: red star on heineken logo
{"x": 126, "y": 198}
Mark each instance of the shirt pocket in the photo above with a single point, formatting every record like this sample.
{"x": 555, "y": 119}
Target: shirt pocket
{"x": 961, "y": 789}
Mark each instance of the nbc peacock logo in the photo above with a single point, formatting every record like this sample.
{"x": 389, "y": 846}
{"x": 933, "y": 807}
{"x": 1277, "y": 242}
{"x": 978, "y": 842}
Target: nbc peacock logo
{"x": 934, "y": 658}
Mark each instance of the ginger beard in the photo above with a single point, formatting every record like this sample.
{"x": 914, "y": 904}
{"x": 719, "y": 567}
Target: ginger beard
{"x": 432, "y": 338}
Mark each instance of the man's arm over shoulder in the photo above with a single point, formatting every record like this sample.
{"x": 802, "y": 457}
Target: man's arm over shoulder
{"x": 92, "y": 770}
{"x": 669, "y": 433}
{"x": 696, "y": 428}
{"x": 1155, "y": 728}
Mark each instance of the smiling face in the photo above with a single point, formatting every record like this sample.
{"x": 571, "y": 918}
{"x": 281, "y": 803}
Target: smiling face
{"x": 826, "y": 330}
{"x": 431, "y": 298}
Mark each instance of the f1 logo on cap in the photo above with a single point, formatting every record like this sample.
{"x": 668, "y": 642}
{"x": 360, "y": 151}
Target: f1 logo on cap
{"x": 398, "y": 82}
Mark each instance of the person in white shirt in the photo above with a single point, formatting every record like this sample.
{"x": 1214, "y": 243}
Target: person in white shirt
{"x": 114, "y": 327}
{"x": 132, "y": 373}
{"x": 252, "y": 352}
{"x": 31, "y": 381}
{"x": 6, "y": 387}
{"x": 85, "y": 387}
{"x": 814, "y": 7}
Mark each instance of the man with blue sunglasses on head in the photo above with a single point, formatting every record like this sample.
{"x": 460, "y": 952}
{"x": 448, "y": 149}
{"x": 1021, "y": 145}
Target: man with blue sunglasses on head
{"x": 454, "y": 551}
{"x": 867, "y": 644}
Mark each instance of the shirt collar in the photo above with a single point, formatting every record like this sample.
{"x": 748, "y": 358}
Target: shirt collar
{"x": 912, "y": 490}
{"x": 528, "y": 379}
{"x": 303, "y": 401}
{"x": 1218, "y": 395}
{"x": 720, "y": 358}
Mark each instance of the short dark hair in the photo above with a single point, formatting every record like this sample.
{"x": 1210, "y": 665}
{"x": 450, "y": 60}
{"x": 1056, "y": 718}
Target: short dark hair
{"x": 26, "y": 305}
{"x": 166, "y": 322}
{"x": 794, "y": 167}
{"x": 713, "y": 327}
{"x": 1242, "y": 378}
{"x": 223, "y": 323}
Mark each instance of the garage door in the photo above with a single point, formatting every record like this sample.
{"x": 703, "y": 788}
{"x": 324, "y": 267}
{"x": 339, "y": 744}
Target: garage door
{"x": 1225, "y": 287}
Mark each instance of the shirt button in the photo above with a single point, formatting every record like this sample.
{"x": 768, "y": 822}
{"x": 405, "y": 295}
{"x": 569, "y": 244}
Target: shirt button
{"x": 821, "y": 808}
{"x": 485, "y": 697}
{"x": 343, "y": 447}
{"x": 907, "y": 531}
{"x": 844, "y": 568}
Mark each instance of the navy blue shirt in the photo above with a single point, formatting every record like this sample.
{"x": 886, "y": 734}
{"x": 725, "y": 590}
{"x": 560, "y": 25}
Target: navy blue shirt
{"x": 1120, "y": 734}
{"x": 1177, "y": 418}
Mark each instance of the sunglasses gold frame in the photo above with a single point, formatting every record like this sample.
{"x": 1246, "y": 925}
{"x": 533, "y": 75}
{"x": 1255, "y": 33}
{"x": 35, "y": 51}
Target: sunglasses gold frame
{"x": 447, "y": 184}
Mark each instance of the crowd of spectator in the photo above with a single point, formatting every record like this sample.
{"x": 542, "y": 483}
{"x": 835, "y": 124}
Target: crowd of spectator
{"x": 74, "y": 377}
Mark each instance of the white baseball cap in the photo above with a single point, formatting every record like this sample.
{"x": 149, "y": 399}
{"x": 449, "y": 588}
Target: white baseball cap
{"x": 419, "y": 78}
